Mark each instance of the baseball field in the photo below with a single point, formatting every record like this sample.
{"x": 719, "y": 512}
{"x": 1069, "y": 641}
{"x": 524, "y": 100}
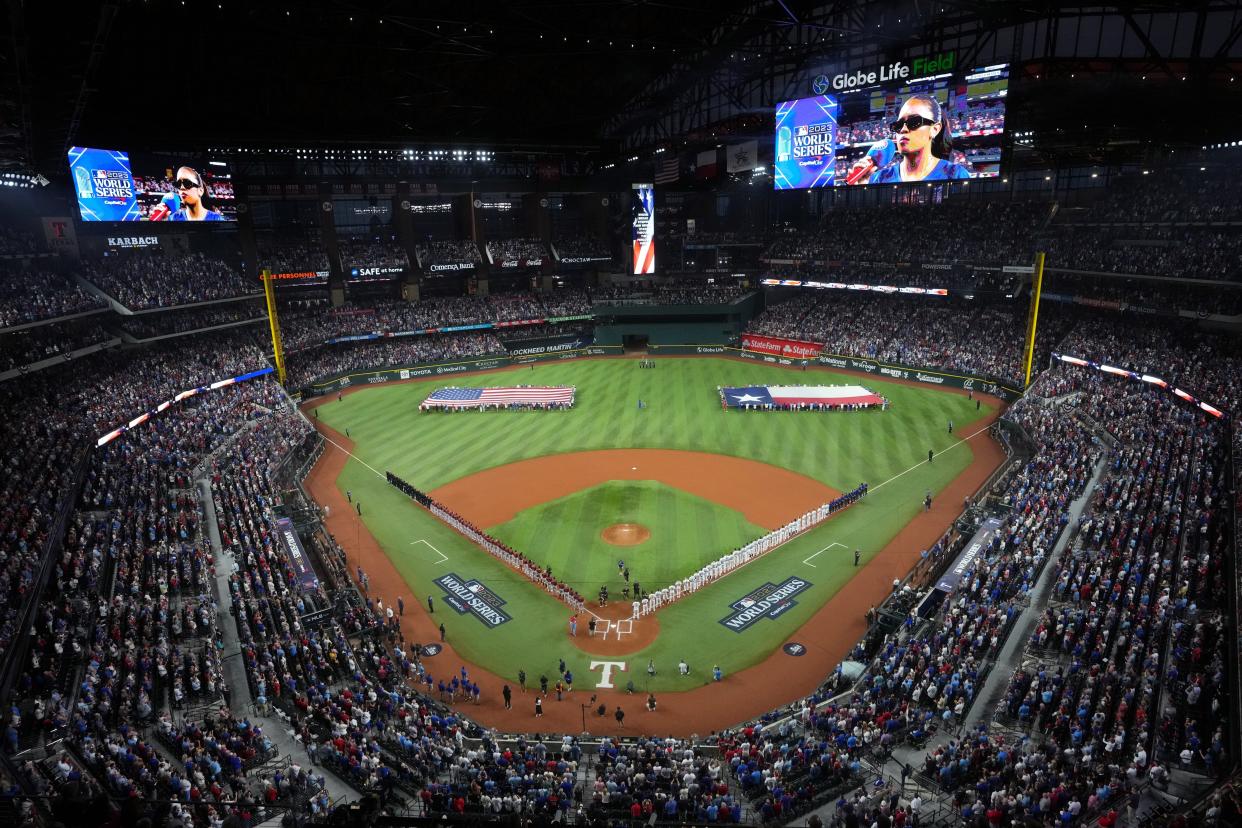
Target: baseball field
{"x": 608, "y": 487}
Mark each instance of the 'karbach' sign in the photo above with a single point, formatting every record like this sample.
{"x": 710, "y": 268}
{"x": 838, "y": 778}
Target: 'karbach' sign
{"x": 890, "y": 72}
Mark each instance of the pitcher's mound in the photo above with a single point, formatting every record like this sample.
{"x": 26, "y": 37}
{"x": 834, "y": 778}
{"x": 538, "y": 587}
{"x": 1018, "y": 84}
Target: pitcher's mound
{"x": 625, "y": 534}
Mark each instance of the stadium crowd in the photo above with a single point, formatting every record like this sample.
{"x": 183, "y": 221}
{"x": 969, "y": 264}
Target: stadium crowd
{"x": 33, "y": 295}
{"x": 581, "y": 247}
{"x": 377, "y": 251}
{"x": 292, "y": 253}
{"x": 192, "y": 319}
{"x": 447, "y": 252}
{"x": 307, "y": 323}
{"x": 31, "y": 345}
{"x": 143, "y": 279}
{"x": 982, "y": 340}
{"x": 502, "y": 251}
{"x": 307, "y": 366}
{"x": 16, "y": 242}
{"x": 999, "y": 234}
{"x": 1182, "y": 234}
{"x": 675, "y": 293}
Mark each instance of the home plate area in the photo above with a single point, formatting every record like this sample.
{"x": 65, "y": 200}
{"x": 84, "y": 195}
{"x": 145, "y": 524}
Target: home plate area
{"x": 618, "y": 628}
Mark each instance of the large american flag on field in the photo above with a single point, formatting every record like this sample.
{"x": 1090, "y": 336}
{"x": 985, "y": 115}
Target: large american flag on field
{"x": 515, "y": 395}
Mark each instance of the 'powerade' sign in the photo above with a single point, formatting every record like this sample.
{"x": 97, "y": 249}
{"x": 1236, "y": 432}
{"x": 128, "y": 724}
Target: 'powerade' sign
{"x": 768, "y": 601}
{"x": 474, "y": 598}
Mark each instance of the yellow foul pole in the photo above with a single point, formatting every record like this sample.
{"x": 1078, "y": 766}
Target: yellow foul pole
{"x": 278, "y": 348}
{"x": 1037, "y": 286}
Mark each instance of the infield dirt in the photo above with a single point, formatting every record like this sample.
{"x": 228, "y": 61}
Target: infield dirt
{"x": 767, "y": 495}
{"x": 625, "y": 534}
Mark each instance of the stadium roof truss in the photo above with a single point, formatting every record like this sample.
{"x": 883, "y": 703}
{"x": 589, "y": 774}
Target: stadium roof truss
{"x": 773, "y": 50}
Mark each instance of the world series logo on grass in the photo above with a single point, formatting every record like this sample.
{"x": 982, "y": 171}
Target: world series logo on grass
{"x": 474, "y": 598}
{"x": 768, "y": 601}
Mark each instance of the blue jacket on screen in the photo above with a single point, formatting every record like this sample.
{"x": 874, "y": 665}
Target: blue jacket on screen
{"x": 943, "y": 171}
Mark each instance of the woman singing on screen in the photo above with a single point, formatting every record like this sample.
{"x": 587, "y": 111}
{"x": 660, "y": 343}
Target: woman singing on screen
{"x": 192, "y": 195}
{"x": 921, "y": 140}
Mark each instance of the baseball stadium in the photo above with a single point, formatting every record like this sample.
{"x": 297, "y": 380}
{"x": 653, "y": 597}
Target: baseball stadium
{"x": 620, "y": 414}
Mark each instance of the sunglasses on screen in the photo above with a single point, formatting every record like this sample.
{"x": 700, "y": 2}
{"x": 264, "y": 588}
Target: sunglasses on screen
{"x": 910, "y": 122}
{"x": 186, "y": 184}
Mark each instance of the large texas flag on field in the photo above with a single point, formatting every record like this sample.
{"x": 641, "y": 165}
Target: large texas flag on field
{"x": 760, "y": 395}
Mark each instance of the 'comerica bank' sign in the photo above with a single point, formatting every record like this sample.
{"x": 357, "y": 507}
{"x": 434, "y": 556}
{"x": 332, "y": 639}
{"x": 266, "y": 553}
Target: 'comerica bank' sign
{"x": 895, "y": 71}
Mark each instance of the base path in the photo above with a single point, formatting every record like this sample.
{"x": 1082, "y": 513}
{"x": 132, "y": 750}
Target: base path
{"x": 828, "y": 636}
{"x": 767, "y": 495}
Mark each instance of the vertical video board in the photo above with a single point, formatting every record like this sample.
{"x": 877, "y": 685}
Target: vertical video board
{"x": 642, "y": 212}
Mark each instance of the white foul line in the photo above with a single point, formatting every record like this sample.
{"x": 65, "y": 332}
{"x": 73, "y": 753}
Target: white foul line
{"x": 937, "y": 454}
{"x": 349, "y": 453}
{"x": 825, "y": 549}
{"x": 443, "y": 557}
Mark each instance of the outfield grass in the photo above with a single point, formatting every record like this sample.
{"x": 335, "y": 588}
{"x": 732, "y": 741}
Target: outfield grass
{"x": 839, "y": 449}
{"x": 686, "y": 533}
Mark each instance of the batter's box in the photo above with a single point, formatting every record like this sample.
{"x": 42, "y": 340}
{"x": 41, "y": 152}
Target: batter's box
{"x": 807, "y": 561}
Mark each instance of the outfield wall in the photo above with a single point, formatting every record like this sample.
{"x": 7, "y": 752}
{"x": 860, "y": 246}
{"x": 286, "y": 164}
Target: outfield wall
{"x": 930, "y": 376}
{"x": 667, "y": 333}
